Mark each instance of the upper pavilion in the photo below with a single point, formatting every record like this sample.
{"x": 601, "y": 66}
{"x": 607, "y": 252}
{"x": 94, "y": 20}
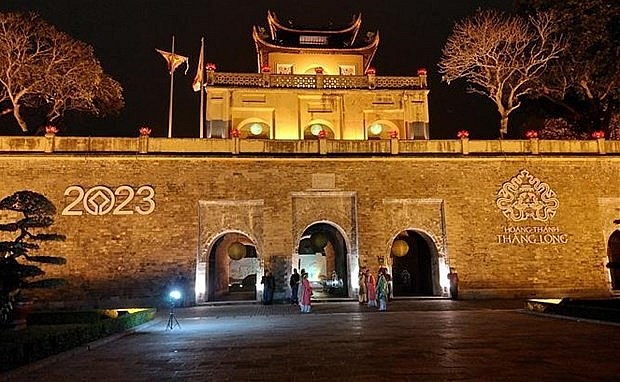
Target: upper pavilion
{"x": 315, "y": 82}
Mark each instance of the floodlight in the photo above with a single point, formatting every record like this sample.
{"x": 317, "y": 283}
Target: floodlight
{"x": 175, "y": 294}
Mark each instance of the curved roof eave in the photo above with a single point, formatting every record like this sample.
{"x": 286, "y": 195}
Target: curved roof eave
{"x": 275, "y": 25}
{"x": 260, "y": 41}
{"x": 263, "y": 47}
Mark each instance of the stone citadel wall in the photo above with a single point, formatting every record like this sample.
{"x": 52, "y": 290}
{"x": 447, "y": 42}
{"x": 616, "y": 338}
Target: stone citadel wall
{"x": 169, "y": 209}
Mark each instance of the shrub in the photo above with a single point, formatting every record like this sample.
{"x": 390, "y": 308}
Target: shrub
{"x": 60, "y": 333}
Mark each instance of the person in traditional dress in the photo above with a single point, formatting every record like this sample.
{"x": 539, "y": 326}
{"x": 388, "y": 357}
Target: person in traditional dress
{"x": 300, "y": 289}
{"x": 383, "y": 291}
{"x": 370, "y": 286}
{"x": 306, "y": 294}
{"x": 363, "y": 292}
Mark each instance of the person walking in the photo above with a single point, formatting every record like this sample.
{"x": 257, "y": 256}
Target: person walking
{"x": 269, "y": 285}
{"x": 294, "y": 283}
{"x": 306, "y": 294}
{"x": 371, "y": 287}
{"x": 383, "y": 291}
{"x": 363, "y": 292}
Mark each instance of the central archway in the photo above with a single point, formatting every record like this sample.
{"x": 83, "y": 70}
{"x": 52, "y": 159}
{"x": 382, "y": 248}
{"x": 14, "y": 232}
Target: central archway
{"x": 322, "y": 252}
{"x": 415, "y": 269}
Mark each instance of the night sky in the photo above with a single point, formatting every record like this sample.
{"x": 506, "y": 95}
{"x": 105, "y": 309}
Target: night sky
{"x": 125, "y": 33}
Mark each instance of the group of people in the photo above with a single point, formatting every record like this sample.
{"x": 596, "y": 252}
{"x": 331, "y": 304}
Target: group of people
{"x": 375, "y": 292}
{"x": 301, "y": 290}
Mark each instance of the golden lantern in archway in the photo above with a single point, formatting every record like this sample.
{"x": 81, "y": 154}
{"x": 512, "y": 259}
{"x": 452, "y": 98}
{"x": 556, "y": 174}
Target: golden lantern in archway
{"x": 318, "y": 240}
{"x": 399, "y": 248}
{"x": 236, "y": 251}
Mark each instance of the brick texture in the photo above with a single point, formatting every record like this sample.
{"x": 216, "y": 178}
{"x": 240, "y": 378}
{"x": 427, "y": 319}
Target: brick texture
{"x": 125, "y": 259}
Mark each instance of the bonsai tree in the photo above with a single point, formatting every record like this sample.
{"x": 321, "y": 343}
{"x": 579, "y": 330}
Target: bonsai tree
{"x": 17, "y": 265}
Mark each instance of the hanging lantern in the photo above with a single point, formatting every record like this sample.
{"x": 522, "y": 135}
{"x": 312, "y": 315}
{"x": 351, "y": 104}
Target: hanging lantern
{"x": 318, "y": 240}
{"x": 305, "y": 247}
{"x": 399, "y": 248}
{"x": 236, "y": 251}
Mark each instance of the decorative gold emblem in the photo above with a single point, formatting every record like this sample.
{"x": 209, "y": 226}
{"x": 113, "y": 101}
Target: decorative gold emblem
{"x": 526, "y": 197}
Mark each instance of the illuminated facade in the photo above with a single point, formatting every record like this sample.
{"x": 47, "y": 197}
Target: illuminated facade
{"x": 326, "y": 169}
{"x": 312, "y": 82}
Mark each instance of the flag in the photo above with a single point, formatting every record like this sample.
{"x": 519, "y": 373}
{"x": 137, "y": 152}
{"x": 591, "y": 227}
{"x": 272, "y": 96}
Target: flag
{"x": 198, "y": 80}
{"x": 174, "y": 60}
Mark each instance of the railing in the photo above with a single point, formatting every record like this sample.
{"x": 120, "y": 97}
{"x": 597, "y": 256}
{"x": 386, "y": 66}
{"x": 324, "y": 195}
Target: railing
{"x": 314, "y": 81}
{"x": 265, "y": 147}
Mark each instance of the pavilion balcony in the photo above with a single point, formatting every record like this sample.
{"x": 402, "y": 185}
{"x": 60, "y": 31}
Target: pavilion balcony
{"x": 314, "y": 81}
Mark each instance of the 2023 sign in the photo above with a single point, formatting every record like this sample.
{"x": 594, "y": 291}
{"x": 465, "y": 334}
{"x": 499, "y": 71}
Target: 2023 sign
{"x": 102, "y": 200}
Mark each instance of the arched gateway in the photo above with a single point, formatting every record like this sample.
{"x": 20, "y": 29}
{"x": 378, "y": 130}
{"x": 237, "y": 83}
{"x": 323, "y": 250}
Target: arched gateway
{"x": 323, "y": 252}
{"x": 232, "y": 268}
{"x": 415, "y": 265}
{"x": 613, "y": 253}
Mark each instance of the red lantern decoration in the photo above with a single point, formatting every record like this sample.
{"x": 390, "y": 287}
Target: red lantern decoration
{"x": 462, "y": 134}
{"x": 50, "y": 129}
{"x": 145, "y": 131}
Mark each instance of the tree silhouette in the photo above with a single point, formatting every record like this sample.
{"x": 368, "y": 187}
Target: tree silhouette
{"x": 49, "y": 71}
{"x": 17, "y": 265}
{"x": 501, "y": 56}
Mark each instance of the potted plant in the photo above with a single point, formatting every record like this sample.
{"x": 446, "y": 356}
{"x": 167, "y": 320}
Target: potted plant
{"x": 17, "y": 265}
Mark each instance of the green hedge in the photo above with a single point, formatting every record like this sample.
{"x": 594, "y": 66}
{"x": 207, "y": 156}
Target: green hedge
{"x": 43, "y": 340}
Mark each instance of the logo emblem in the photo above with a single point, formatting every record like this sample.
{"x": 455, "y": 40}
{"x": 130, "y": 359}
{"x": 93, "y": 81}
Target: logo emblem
{"x": 526, "y": 197}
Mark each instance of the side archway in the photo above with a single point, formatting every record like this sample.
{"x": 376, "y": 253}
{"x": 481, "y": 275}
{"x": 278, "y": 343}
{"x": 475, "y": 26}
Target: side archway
{"x": 415, "y": 265}
{"x": 613, "y": 254}
{"x": 232, "y": 268}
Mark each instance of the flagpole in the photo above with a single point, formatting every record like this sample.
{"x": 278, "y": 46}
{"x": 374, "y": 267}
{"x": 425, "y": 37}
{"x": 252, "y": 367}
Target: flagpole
{"x": 171, "y": 90}
{"x": 202, "y": 99}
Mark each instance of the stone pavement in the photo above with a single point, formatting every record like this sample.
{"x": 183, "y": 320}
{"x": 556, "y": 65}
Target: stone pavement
{"x": 415, "y": 340}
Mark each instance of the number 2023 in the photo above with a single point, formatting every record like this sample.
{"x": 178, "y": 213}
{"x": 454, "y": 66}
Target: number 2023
{"x": 101, "y": 200}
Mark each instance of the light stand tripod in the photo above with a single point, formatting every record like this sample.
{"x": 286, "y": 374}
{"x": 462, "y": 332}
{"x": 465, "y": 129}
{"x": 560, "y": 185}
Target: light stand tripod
{"x": 172, "y": 320}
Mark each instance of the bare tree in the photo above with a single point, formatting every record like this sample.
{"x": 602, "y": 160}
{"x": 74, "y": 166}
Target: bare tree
{"x": 501, "y": 56}
{"x": 45, "y": 69}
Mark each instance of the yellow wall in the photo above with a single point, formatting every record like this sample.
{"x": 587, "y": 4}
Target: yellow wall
{"x": 305, "y": 63}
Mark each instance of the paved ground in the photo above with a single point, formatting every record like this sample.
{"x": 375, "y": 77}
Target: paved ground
{"x": 416, "y": 340}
